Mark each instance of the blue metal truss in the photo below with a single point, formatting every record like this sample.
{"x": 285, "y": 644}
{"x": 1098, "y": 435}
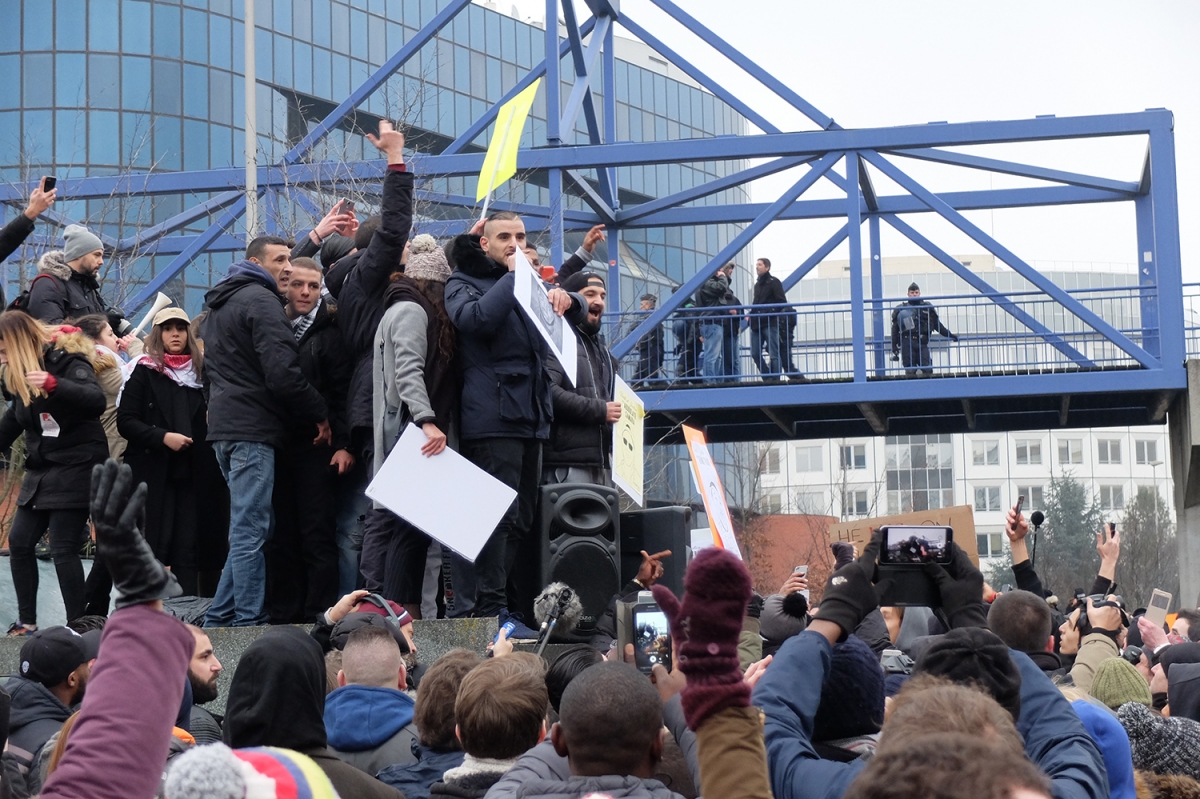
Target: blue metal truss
{"x": 1157, "y": 349}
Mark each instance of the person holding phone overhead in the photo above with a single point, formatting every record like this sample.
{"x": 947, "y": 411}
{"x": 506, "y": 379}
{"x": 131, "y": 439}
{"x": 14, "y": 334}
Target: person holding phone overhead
{"x": 13, "y": 234}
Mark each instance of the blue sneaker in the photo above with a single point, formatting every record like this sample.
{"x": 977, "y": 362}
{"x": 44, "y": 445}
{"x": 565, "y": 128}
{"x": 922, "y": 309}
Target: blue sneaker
{"x": 520, "y": 631}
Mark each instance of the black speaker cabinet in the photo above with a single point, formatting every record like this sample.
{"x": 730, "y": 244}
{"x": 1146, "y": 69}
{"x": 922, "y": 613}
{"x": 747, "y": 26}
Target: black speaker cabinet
{"x": 580, "y": 529}
{"x": 654, "y": 530}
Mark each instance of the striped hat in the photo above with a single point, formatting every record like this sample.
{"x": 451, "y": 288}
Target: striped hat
{"x": 218, "y": 772}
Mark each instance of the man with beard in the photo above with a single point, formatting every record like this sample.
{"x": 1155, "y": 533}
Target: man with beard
{"x": 581, "y": 433}
{"x": 203, "y": 671}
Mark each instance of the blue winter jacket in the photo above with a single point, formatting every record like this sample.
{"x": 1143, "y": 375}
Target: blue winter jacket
{"x": 790, "y": 692}
{"x": 370, "y": 728}
{"x": 414, "y": 779}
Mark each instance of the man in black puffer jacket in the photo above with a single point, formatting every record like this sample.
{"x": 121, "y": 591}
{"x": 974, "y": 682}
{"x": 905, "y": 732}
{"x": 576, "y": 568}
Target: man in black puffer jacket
{"x": 506, "y": 399}
{"x": 256, "y": 395}
{"x": 580, "y": 445}
{"x": 302, "y": 556}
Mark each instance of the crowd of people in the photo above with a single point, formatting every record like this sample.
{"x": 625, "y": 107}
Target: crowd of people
{"x": 227, "y": 456}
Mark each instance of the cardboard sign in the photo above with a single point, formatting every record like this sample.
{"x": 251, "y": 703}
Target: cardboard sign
{"x": 705, "y": 472}
{"x": 628, "y": 468}
{"x": 959, "y": 517}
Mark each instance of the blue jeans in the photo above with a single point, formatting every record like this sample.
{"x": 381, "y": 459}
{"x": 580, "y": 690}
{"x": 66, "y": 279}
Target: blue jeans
{"x": 714, "y": 338}
{"x": 766, "y": 333}
{"x": 352, "y": 506}
{"x": 249, "y": 470}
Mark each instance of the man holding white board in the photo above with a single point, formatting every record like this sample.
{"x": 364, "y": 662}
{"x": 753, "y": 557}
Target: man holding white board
{"x": 506, "y": 397}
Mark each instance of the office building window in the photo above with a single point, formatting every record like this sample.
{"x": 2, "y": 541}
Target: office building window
{"x": 1070, "y": 451}
{"x": 990, "y": 545}
{"x": 987, "y": 498}
{"x": 770, "y": 461}
{"x": 854, "y": 457}
{"x": 1029, "y": 452}
{"x": 985, "y": 453}
{"x": 1112, "y": 497}
{"x": 1033, "y": 499}
{"x": 854, "y": 503}
{"x": 808, "y": 459}
{"x": 1147, "y": 451}
{"x": 1108, "y": 451}
{"x": 920, "y": 473}
{"x": 772, "y": 503}
{"x": 812, "y": 502}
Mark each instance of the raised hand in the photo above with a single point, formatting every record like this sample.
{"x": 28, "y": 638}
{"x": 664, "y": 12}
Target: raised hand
{"x": 390, "y": 141}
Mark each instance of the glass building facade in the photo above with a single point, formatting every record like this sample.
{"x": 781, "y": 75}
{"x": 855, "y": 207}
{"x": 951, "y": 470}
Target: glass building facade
{"x": 107, "y": 87}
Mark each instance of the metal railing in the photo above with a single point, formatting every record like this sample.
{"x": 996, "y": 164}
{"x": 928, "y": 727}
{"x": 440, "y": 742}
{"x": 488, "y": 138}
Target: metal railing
{"x": 1191, "y": 318}
{"x": 990, "y": 338}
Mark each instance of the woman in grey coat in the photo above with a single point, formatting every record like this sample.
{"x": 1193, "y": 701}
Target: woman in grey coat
{"x": 415, "y": 381}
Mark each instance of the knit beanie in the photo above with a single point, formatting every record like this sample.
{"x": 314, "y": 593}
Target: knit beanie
{"x": 426, "y": 260}
{"x": 79, "y": 242}
{"x": 1162, "y": 745}
{"x": 581, "y": 280}
{"x": 217, "y": 772}
{"x": 335, "y": 248}
{"x": 852, "y": 694}
{"x": 973, "y": 655}
{"x": 1117, "y": 681}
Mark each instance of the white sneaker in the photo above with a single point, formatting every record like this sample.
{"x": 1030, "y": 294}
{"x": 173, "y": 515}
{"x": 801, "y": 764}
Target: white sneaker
{"x": 784, "y": 379}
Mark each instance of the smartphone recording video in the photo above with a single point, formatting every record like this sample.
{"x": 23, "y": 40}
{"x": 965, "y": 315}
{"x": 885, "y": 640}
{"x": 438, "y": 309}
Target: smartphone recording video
{"x": 916, "y": 544}
{"x": 651, "y": 638}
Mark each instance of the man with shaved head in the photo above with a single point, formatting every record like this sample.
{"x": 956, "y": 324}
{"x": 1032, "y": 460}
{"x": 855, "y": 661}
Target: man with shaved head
{"x": 506, "y": 393}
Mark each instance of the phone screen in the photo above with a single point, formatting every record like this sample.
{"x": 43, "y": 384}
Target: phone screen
{"x": 48, "y": 183}
{"x": 651, "y": 638}
{"x": 916, "y": 544}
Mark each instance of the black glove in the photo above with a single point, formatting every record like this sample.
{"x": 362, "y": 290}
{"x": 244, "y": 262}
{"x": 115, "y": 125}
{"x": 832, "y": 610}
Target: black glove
{"x": 961, "y": 585}
{"x": 895, "y": 355}
{"x": 755, "y": 608}
{"x": 953, "y": 337}
{"x": 136, "y": 574}
{"x": 850, "y": 593}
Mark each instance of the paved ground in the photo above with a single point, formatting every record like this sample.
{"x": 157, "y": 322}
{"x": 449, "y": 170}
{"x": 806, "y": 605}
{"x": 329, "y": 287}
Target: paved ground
{"x": 50, "y": 606}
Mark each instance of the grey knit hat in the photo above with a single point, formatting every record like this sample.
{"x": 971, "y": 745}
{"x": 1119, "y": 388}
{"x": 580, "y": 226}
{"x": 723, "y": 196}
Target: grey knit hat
{"x": 1161, "y": 745}
{"x": 80, "y": 241}
{"x": 426, "y": 260}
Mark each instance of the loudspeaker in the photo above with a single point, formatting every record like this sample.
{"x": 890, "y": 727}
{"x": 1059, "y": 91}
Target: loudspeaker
{"x": 654, "y": 530}
{"x": 580, "y": 530}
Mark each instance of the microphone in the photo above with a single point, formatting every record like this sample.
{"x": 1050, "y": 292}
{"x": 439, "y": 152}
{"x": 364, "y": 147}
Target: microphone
{"x": 1037, "y": 518}
{"x": 557, "y": 604}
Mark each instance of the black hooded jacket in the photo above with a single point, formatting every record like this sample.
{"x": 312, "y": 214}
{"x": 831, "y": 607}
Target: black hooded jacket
{"x": 277, "y": 698}
{"x": 506, "y": 386}
{"x": 581, "y": 434}
{"x": 252, "y": 378}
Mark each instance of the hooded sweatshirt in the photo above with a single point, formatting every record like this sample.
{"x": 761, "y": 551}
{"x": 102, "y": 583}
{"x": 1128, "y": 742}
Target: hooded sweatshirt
{"x": 35, "y": 717}
{"x": 277, "y": 698}
{"x": 370, "y": 728}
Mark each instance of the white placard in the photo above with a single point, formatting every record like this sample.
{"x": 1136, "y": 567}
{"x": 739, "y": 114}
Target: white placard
{"x": 628, "y": 466}
{"x": 531, "y": 293}
{"x": 446, "y": 496}
{"x": 711, "y": 491}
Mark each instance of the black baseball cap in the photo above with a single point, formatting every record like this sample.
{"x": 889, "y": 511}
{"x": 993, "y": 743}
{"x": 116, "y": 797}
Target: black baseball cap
{"x": 353, "y": 621}
{"x": 50, "y": 655}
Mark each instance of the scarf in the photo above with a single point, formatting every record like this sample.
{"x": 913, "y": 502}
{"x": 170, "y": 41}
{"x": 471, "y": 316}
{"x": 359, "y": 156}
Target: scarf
{"x": 177, "y": 367}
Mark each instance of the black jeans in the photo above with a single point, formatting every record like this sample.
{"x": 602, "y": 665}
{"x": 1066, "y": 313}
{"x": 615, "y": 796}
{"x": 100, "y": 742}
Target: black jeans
{"x": 302, "y": 553}
{"x": 67, "y": 529}
{"x": 516, "y": 462}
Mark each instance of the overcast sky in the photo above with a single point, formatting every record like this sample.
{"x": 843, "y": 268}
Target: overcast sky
{"x": 876, "y": 64}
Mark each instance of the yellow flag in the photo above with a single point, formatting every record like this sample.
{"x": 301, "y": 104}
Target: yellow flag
{"x": 501, "y": 161}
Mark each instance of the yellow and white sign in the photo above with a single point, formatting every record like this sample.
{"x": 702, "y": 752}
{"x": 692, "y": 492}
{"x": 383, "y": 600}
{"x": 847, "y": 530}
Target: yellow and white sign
{"x": 500, "y": 163}
{"x": 628, "y": 465}
{"x": 711, "y": 491}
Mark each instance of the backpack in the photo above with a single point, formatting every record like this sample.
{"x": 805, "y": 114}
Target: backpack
{"x": 21, "y": 303}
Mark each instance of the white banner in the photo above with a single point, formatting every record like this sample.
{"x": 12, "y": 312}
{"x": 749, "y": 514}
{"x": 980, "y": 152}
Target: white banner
{"x": 531, "y": 293}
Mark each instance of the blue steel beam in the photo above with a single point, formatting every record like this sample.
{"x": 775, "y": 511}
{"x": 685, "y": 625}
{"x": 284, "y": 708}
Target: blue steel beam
{"x": 585, "y": 63}
{"x": 682, "y": 401}
{"x": 739, "y": 242}
{"x": 198, "y": 246}
{"x": 610, "y": 118}
{"x": 1021, "y": 170}
{"x": 751, "y": 68}
{"x": 619, "y": 154}
{"x": 1007, "y": 256}
{"x": 819, "y": 255}
{"x": 982, "y": 286}
{"x": 857, "y": 307}
{"x": 480, "y": 125}
{"x": 381, "y": 75}
{"x": 62, "y": 220}
{"x": 1168, "y": 262}
{"x": 180, "y": 220}
{"x": 877, "y": 296}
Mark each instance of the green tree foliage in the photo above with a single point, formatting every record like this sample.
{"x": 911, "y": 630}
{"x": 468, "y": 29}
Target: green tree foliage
{"x": 1149, "y": 556}
{"x": 1066, "y": 549}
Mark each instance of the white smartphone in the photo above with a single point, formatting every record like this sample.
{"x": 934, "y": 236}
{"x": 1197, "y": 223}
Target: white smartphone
{"x": 1160, "y": 603}
{"x": 803, "y": 572}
